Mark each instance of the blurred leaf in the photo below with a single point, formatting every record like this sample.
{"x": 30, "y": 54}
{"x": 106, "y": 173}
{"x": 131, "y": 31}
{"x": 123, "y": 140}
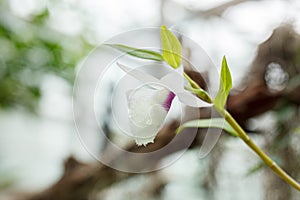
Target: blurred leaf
{"x": 30, "y": 49}
{"x": 171, "y": 47}
{"x": 41, "y": 17}
{"x": 297, "y": 131}
{"x": 8, "y": 176}
{"x": 6, "y": 183}
{"x": 255, "y": 168}
{"x": 209, "y": 123}
{"x": 225, "y": 86}
{"x": 139, "y": 53}
{"x": 285, "y": 112}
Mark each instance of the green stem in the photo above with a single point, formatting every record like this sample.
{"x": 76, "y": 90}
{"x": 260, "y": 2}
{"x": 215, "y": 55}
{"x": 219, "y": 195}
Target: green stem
{"x": 196, "y": 89}
{"x": 200, "y": 93}
{"x": 243, "y": 135}
{"x": 191, "y": 81}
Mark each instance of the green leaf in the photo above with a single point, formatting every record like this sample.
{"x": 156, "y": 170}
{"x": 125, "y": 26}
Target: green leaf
{"x": 207, "y": 123}
{"x": 171, "y": 47}
{"x": 225, "y": 86}
{"x": 140, "y": 53}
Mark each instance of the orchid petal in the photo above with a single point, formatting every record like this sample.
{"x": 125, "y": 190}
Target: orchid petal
{"x": 147, "y": 112}
{"x": 191, "y": 100}
{"x": 139, "y": 75}
{"x": 149, "y": 104}
{"x": 174, "y": 81}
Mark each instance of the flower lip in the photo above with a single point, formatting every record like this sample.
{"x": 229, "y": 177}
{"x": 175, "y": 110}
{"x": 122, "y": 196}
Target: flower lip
{"x": 148, "y": 106}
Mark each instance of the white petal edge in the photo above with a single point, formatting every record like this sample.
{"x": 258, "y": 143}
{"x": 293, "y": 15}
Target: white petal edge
{"x": 139, "y": 75}
{"x": 191, "y": 100}
{"x": 176, "y": 83}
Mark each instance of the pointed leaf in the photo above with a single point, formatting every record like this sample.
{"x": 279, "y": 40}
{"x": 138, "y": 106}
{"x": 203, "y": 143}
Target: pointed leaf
{"x": 139, "y": 53}
{"x": 225, "y": 86}
{"x": 207, "y": 123}
{"x": 171, "y": 47}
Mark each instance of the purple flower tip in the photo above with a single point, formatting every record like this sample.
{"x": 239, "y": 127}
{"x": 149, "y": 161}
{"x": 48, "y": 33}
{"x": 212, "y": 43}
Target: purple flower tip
{"x": 167, "y": 103}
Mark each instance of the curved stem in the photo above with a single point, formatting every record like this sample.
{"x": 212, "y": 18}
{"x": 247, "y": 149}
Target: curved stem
{"x": 243, "y": 135}
{"x": 200, "y": 93}
{"x": 191, "y": 81}
{"x": 196, "y": 89}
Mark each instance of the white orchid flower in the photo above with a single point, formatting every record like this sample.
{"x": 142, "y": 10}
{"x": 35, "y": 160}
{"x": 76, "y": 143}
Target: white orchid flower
{"x": 149, "y": 104}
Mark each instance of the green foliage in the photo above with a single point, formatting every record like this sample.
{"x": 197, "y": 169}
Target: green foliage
{"x": 139, "y": 53}
{"x": 297, "y": 130}
{"x": 171, "y": 47}
{"x": 29, "y": 49}
{"x": 209, "y": 123}
{"x": 225, "y": 86}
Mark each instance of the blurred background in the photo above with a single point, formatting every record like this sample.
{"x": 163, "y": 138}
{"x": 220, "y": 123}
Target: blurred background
{"x": 42, "y": 44}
